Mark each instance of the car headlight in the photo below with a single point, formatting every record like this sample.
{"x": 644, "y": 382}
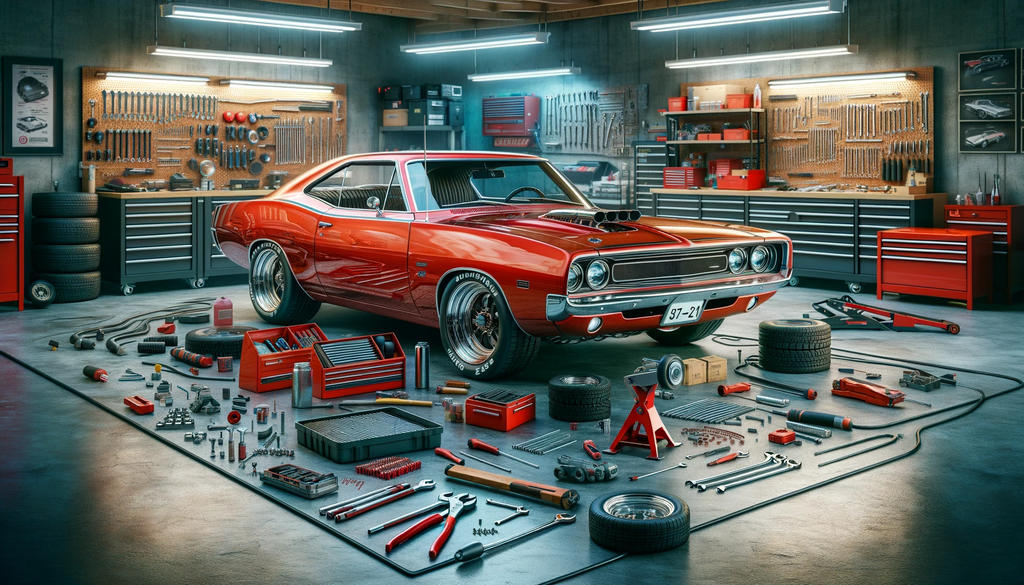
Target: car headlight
{"x": 575, "y": 280}
{"x": 737, "y": 260}
{"x": 597, "y": 274}
{"x": 760, "y": 259}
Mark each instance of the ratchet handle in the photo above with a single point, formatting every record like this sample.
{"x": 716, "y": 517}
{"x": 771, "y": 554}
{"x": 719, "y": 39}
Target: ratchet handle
{"x": 449, "y": 526}
{"x": 412, "y": 531}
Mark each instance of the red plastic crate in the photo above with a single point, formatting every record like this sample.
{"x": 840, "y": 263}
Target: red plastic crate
{"x": 709, "y": 137}
{"x": 273, "y": 371}
{"x": 754, "y": 179}
{"x": 359, "y": 377}
{"x": 500, "y": 417}
{"x": 739, "y": 101}
{"x": 725, "y": 166}
{"x": 736, "y": 134}
{"x": 683, "y": 177}
{"x": 677, "y": 104}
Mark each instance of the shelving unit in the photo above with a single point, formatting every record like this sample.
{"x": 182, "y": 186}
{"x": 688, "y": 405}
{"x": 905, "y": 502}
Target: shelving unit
{"x": 451, "y": 130}
{"x": 758, "y": 124}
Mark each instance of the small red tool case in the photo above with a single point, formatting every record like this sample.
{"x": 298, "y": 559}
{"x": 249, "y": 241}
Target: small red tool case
{"x": 264, "y": 368}
{"x": 357, "y": 365}
{"x": 139, "y": 404}
{"x": 683, "y": 177}
{"x": 935, "y": 262}
{"x": 1006, "y": 222}
{"x": 500, "y": 410}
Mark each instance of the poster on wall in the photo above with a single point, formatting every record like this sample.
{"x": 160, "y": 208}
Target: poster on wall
{"x": 988, "y": 137}
{"x": 1001, "y": 107}
{"x": 988, "y": 70}
{"x": 33, "y": 91}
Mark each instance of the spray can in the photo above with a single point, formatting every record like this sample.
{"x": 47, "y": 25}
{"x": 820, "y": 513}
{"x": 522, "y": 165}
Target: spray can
{"x": 422, "y": 365}
{"x": 302, "y": 385}
{"x": 222, "y": 312}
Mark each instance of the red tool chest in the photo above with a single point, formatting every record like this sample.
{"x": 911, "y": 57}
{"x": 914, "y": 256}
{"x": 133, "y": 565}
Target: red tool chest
{"x": 356, "y": 373}
{"x": 936, "y": 262}
{"x": 511, "y": 116}
{"x": 263, "y": 370}
{"x": 683, "y": 177}
{"x": 12, "y": 235}
{"x": 500, "y": 410}
{"x": 1006, "y": 222}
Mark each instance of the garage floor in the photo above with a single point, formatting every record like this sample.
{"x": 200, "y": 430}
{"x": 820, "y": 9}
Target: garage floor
{"x": 87, "y": 498}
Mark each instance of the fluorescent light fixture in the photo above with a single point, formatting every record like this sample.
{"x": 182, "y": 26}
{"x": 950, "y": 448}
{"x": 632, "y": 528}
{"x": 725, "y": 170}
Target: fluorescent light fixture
{"x": 256, "y": 18}
{"x": 839, "y": 79}
{"x": 759, "y": 57}
{"x": 526, "y": 74}
{"x": 740, "y": 16}
{"x": 276, "y": 85}
{"x": 168, "y": 51}
{"x": 153, "y": 77}
{"x": 535, "y": 38}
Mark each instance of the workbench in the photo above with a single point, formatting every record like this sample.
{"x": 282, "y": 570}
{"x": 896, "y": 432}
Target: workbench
{"x": 163, "y": 235}
{"x": 833, "y": 232}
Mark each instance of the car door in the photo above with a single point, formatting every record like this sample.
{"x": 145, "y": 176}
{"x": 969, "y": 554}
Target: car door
{"x": 361, "y": 253}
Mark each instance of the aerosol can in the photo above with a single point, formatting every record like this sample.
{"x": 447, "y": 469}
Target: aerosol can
{"x": 995, "y": 189}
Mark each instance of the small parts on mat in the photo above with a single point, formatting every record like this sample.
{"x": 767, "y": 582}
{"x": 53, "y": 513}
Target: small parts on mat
{"x": 564, "y": 498}
{"x": 757, "y": 418}
{"x": 728, "y": 458}
{"x": 921, "y": 380}
{"x": 582, "y": 471}
{"x": 809, "y": 429}
{"x": 709, "y": 453}
{"x": 177, "y": 418}
{"x": 203, "y": 402}
{"x": 457, "y": 384}
{"x": 392, "y": 394}
{"x": 262, "y": 413}
{"x": 591, "y": 449}
{"x": 773, "y": 464}
{"x": 453, "y": 411}
{"x": 131, "y": 376}
{"x": 708, "y": 410}
{"x": 192, "y": 375}
{"x": 845, "y": 313}
{"x": 53, "y": 345}
{"x": 639, "y": 521}
{"x": 892, "y": 439}
{"x": 192, "y": 359}
{"x": 85, "y": 344}
{"x": 664, "y": 394}
{"x": 388, "y": 467}
{"x": 167, "y": 327}
{"x": 519, "y": 511}
{"x": 477, "y": 549}
{"x": 300, "y": 481}
{"x": 421, "y": 368}
{"x": 782, "y": 436}
{"x": 225, "y": 364}
{"x": 234, "y": 417}
{"x": 94, "y": 373}
{"x": 734, "y": 422}
{"x": 545, "y": 443}
{"x": 197, "y": 438}
{"x": 704, "y": 437}
{"x": 500, "y": 410}
{"x": 442, "y": 452}
{"x": 636, "y": 477}
{"x": 643, "y": 427}
{"x": 164, "y": 398}
{"x": 868, "y": 375}
{"x": 139, "y": 404}
{"x": 450, "y": 390}
{"x": 456, "y": 505}
{"x": 241, "y": 443}
{"x": 482, "y": 446}
{"x": 343, "y": 514}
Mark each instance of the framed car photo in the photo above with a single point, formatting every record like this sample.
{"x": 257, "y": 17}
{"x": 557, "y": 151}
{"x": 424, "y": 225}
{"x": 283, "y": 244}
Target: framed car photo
{"x": 1000, "y": 107}
{"x": 33, "y": 106}
{"x": 994, "y": 70}
{"x": 986, "y": 137}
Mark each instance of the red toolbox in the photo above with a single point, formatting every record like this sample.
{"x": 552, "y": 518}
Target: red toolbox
{"x": 500, "y": 410}
{"x": 263, "y": 369}
{"x": 1006, "y": 222}
{"x": 683, "y": 177}
{"x": 935, "y": 262}
{"x": 725, "y": 166}
{"x": 139, "y": 404}
{"x": 677, "y": 104}
{"x": 711, "y": 136}
{"x": 12, "y": 235}
{"x": 739, "y": 101}
{"x": 356, "y": 365}
{"x": 736, "y": 134}
{"x": 750, "y": 181}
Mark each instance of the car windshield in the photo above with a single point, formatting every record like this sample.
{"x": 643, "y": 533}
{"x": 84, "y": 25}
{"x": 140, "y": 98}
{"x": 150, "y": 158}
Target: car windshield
{"x": 468, "y": 183}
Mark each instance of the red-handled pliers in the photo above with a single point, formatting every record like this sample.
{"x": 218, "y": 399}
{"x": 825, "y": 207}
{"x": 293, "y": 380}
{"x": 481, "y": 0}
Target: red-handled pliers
{"x": 728, "y": 458}
{"x": 456, "y": 504}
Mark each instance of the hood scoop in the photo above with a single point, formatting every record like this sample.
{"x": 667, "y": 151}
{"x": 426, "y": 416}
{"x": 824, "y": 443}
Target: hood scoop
{"x": 603, "y": 220}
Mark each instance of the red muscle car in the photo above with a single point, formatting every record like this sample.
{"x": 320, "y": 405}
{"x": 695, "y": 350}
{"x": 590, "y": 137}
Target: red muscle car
{"x": 498, "y": 250}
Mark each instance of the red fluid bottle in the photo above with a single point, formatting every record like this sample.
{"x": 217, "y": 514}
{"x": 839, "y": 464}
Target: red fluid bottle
{"x": 222, "y": 312}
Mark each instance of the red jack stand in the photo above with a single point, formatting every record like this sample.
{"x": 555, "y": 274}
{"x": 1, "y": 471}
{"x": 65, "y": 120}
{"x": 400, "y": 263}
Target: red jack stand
{"x": 643, "y": 426}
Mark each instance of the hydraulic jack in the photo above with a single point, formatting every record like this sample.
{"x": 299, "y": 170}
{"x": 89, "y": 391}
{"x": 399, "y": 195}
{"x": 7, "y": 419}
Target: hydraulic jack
{"x": 845, "y": 313}
{"x": 643, "y": 426}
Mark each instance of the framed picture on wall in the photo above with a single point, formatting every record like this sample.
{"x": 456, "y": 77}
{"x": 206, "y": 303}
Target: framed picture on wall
{"x": 986, "y": 137}
{"x": 33, "y": 106}
{"x": 988, "y": 70}
{"x": 1000, "y": 107}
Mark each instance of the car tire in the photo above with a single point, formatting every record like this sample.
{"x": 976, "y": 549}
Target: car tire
{"x": 64, "y": 259}
{"x": 84, "y": 230}
{"x": 217, "y": 341}
{"x": 579, "y": 398}
{"x": 984, "y": 143}
{"x": 54, "y": 205}
{"x": 685, "y": 334}
{"x": 72, "y": 288}
{"x": 982, "y": 115}
{"x": 615, "y": 525}
{"x": 41, "y": 293}
{"x": 274, "y": 292}
{"x": 478, "y": 350}
{"x": 795, "y": 346}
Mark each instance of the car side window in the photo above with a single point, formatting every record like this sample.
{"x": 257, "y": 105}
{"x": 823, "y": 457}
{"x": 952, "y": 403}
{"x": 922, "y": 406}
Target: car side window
{"x": 351, "y": 186}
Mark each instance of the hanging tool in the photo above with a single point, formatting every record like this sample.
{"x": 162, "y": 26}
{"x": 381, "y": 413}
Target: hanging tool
{"x": 477, "y": 549}
{"x": 636, "y": 477}
{"x": 728, "y": 458}
{"x": 519, "y": 511}
{"x": 556, "y": 496}
{"x": 456, "y": 505}
{"x": 845, "y": 313}
{"x": 482, "y": 446}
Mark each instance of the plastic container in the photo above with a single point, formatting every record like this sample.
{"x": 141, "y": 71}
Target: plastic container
{"x": 709, "y": 137}
{"x": 739, "y": 101}
{"x": 736, "y": 134}
{"x": 677, "y": 104}
{"x": 754, "y": 179}
{"x": 396, "y": 431}
{"x": 223, "y": 314}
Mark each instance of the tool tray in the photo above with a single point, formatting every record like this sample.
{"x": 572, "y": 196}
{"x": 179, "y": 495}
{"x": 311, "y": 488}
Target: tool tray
{"x": 370, "y": 434}
{"x": 300, "y": 481}
{"x": 357, "y": 375}
{"x": 261, "y": 370}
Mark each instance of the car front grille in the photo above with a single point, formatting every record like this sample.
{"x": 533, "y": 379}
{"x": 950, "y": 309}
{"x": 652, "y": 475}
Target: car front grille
{"x": 679, "y": 267}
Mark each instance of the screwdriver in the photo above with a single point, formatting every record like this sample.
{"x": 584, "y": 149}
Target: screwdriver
{"x": 442, "y": 452}
{"x": 478, "y": 444}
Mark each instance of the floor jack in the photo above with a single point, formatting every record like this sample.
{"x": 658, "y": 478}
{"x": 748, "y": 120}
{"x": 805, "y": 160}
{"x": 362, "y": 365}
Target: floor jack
{"x": 845, "y": 313}
{"x": 643, "y": 426}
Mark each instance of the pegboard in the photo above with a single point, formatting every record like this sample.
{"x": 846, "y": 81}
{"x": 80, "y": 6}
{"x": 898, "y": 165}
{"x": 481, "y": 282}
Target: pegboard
{"x": 828, "y": 135}
{"x": 164, "y": 121}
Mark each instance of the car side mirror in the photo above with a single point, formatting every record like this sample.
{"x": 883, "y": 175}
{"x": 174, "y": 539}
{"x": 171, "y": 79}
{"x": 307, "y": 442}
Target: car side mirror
{"x": 374, "y": 203}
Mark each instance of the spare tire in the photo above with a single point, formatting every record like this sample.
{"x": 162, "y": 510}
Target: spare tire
{"x": 639, "y": 521}
{"x": 579, "y": 398}
{"x": 64, "y": 259}
{"x": 84, "y": 230}
{"x": 795, "y": 346}
{"x": 217, "y": 341}
{"x": 72, "y": 288}
{"x": 65, "y": 204}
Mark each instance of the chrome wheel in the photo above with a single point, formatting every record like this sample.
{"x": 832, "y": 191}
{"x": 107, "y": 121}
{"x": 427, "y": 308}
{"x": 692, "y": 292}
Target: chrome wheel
{"x": 267, "y": 280}
{"x": 639, "y": 507}
{"x": 472, "y": 322}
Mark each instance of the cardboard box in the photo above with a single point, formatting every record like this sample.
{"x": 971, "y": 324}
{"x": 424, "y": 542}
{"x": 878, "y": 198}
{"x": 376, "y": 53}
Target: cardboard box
{"x": 396, "y": 118}
{"x": 712, "y": 93}
{"x": 717, "y": 368}
{"x": 695, "y": 371}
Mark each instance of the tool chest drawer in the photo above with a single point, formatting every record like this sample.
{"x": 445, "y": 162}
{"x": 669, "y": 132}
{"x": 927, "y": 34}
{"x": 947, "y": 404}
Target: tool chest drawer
{"x": 677, "y": 206}
{"x": 268, "y": 356}
{"x": 10, "y": 258}
{"x": 12, "y": 237}
{"x": 822, "y": 231}
{"x": 871, "y": 218}
{"x": 146, "y": 255}
{"x": 1006, "y": 223}
{"x": 648, "y": 161}
{"x": 946, "y": 263}
{"x": 726, "y": 209}
{"x": 356, "y": 365}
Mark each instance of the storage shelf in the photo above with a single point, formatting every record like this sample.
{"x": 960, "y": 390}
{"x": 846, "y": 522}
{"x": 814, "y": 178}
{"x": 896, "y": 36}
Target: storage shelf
{"x": 714, "y": 142}
{"x": 715, "y": 112}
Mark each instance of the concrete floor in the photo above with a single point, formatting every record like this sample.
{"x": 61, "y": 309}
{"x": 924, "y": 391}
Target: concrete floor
{"x": 85, "y": 497}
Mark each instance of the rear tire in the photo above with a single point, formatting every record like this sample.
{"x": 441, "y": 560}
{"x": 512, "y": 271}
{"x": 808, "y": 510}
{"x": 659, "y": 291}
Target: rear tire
{"x": 274, "y": 292}
{"x": 65, "y": 204}
{"x": 66, "y": 259}
{"x": 579, "y": 398}
{"x": 639, "y": 522}
{"x": 84, "y": 230}
{"x": 795, "y": 346}
{"x": 685, "y": 334}
{"x": 72, "y": 288}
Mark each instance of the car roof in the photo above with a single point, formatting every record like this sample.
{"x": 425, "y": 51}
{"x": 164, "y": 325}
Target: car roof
{"x": 436, "y": 155}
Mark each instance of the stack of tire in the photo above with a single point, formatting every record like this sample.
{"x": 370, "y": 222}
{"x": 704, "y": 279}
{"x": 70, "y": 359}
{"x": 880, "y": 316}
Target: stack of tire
{"x": 65, "y": 248}
{"x": 579, "y": 398}
{"x": 795, "y": 346}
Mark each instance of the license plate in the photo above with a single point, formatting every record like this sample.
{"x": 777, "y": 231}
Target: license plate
{"x": 681, "y": 312}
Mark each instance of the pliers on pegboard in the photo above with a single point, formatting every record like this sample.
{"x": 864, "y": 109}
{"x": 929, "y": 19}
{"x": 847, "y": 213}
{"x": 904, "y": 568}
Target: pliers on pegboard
{"x": 456, "y": 505}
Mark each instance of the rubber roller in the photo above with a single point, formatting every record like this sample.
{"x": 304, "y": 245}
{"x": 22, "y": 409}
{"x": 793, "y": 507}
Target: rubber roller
{"x": 168, "y": 340}
{"x": 151, "y": 347}
{"x": 192, "y": 359}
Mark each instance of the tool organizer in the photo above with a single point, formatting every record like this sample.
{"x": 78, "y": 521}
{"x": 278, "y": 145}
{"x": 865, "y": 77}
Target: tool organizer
{"x": 500, "y": 410}
{"x": 371, "y": 434}
{"x": 603, "y": 122}
{"x": 366, "y": 369}
{"x": 300, "y": 481}
{"x": 161, "y": 120}
{"x": 262, "y": 370}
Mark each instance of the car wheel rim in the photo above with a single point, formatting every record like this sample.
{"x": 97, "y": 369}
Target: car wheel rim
{"x": 472, "y": 322}
{"x": 579, "y": 380}
{"x": 41, "y": 292}
{"x": 267, "y": 280}
{"x": 639, "y": 507}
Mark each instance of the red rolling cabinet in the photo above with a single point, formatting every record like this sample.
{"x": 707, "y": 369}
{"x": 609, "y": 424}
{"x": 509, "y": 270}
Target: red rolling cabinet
{"x": 936, "y": 262}
{"x": 1006, "y": 222}
{"x": 12, "y": 235}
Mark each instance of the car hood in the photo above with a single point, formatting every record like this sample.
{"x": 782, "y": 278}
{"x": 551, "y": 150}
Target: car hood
{"x": 647, "y": 231}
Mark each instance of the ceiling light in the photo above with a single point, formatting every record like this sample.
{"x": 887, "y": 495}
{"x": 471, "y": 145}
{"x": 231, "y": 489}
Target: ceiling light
{"x": 838, "y": 79}
{"x": 740, "y": 16}
{"x": 528, "y": 74}
{"x": 276, "y": 85}
{"x": 535, "y": 38}
{"x": 759, "y": 57}
{"x": 167, "y": 51}
{"x": 256, "y": 18}
{"x": 153, "y": 77}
